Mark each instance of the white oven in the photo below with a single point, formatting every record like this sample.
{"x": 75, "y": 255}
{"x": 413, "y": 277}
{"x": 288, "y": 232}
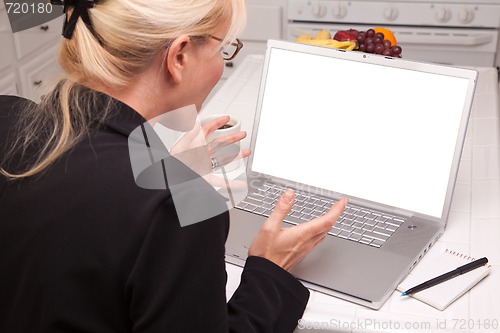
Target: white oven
{"x": 456, "y": 32}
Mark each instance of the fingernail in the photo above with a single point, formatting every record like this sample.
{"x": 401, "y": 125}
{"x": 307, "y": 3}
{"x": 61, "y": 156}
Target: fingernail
{"x": 288, "y": 195}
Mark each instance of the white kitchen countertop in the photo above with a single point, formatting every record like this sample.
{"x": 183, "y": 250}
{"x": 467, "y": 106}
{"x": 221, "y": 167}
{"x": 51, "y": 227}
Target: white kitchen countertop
{"x": 473, "y": 227}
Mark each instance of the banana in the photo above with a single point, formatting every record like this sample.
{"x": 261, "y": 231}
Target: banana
{"x": 352, "y": 46}
{"x": 323, "y": 34}
{"x": 346, "y": 45}
{"x": 303, "y": 38}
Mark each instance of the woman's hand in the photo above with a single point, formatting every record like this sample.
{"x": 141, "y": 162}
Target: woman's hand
{"x": 194, "y": 151}
{"x": 224, "y": 141}
{"x": 288, "y": 246}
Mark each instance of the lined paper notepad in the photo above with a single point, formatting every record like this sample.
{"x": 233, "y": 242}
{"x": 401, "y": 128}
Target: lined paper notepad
{"x": 443, "y": 294}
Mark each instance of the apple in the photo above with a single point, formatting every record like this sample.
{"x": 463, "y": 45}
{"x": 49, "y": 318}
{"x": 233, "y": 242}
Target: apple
{"x": 353, "y": 32}
{"x": 343, "y": 35}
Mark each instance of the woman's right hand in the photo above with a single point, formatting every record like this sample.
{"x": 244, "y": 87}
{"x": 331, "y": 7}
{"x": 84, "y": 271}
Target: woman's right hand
{"x": 288, "y": 246}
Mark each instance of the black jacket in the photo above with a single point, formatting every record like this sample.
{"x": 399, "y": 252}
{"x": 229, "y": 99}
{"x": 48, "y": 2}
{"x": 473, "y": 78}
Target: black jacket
{"x": 84, "y": 249}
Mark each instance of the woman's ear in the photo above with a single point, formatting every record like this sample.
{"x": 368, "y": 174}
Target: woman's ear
{"x": 177, "y": 57}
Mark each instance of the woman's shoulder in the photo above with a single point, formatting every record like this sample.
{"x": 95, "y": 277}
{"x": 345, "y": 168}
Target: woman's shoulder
{"x": 10, "y": 109}
{"x": 11, "y": 103}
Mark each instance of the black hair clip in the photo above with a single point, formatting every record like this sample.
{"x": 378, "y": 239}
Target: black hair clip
{"x": 80, "y": 10}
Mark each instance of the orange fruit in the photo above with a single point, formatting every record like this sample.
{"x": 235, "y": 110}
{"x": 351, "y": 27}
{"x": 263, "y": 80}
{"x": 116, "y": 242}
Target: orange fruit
{"x": 388, "y": 34}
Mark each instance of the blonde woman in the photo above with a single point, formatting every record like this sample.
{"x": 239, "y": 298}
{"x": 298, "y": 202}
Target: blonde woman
{"x": 84, "y": 249}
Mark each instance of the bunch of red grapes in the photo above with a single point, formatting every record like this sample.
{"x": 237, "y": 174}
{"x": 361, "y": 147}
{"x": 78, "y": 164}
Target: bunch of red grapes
{"x": 370, "y": 41}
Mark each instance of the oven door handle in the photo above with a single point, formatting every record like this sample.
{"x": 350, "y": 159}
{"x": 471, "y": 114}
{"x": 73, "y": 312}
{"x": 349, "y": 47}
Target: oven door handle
{"x": 445, "y": 39}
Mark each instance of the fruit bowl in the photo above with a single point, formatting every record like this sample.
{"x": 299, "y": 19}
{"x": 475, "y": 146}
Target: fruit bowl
{"x": 377, "y": 40}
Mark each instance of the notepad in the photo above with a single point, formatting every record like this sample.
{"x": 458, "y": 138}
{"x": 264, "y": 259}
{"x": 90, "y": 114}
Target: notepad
{"x": 442, "y": 295}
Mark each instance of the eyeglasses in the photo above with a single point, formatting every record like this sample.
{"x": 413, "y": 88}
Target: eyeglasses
{"x": 229, "y": 50}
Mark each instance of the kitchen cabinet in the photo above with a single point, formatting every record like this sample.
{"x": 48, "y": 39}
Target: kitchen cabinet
{"x": 40, "y": 74}
{"x": 38, "y": 38}
{"x": 8, "y": 84}
{"x": 32, "y": 54}
{"x": 28, "y": 61}
{"x": 8, "y": 56}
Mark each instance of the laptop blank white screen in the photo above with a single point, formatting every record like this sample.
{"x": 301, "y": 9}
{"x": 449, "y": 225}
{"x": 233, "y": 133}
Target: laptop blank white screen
{"x": 379, "y": 133}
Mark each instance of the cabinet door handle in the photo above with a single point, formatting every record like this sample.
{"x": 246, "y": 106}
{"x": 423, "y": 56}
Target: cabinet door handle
{"x": 44, "y": 27}
{"x": 37, "y": 83}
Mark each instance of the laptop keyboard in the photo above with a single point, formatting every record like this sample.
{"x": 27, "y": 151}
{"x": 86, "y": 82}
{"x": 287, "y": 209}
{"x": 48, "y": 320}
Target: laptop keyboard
{"x": 356, "y": 224}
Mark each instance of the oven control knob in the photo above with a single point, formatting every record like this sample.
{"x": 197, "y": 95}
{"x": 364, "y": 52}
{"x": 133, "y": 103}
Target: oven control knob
{"x": 443, "y": 15}
{"x": 391, "y": 13}
{"x": 339, "y": 11}
{"x": 318, "y": 9}
{"x": 466, "y": 16}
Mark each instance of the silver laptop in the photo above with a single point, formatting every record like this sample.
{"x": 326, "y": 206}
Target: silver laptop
{"x": 386, "y": 133}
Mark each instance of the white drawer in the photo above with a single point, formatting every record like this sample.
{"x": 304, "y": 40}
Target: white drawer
{"x": 7, "y": 57}
{"x": 39, "y": 74}
{"x": 8, "y": 84}
{"x": 7, "y": 53}
{"x": 4, "y": 21}
{"x": 37, "y": 38}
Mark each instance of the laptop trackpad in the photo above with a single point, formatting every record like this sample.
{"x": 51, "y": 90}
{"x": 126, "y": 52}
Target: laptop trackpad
{"x": 345, "y": 266}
